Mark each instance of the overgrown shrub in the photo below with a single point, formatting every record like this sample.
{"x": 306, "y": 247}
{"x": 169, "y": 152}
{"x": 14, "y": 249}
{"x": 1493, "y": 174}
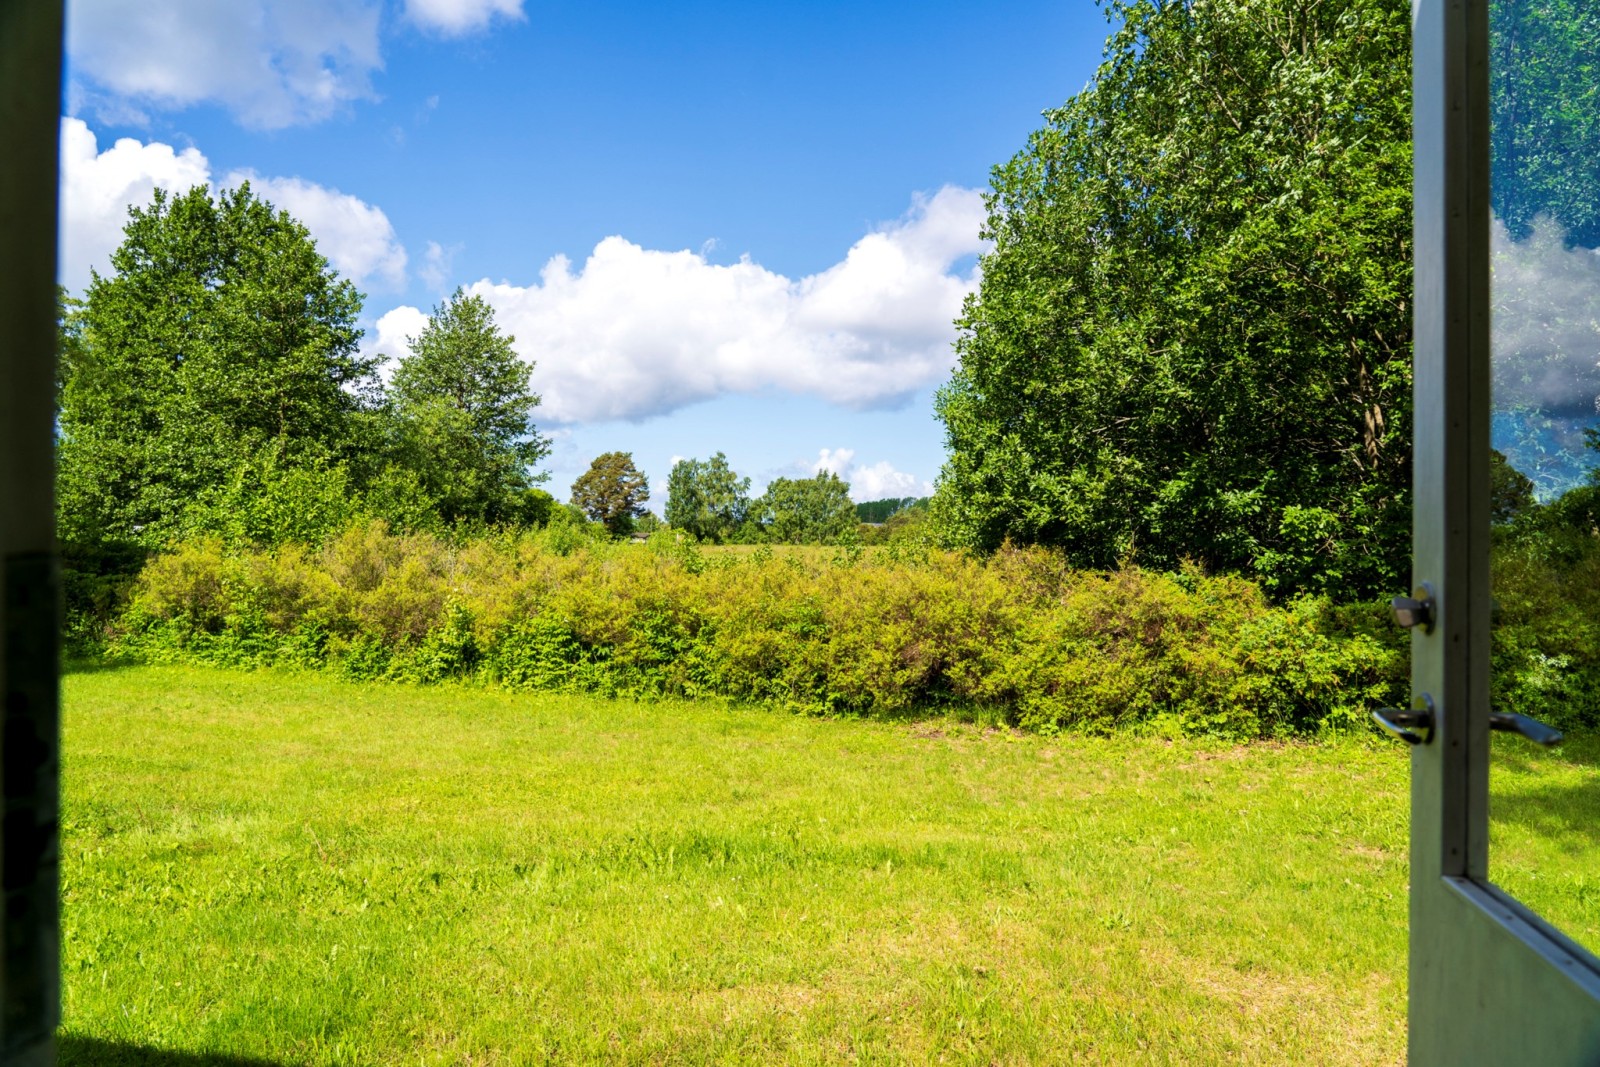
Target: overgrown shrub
{"x": 1019, "y": 636}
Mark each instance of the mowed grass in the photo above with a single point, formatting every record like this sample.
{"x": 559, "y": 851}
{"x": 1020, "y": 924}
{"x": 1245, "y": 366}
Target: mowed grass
{"x": 299, "y": 870}
{"x": 1544, "y": 830}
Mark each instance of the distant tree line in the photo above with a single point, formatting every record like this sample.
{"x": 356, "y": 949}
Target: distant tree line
{"x": 879, "y": 511}
{"x": 709, "y": 501}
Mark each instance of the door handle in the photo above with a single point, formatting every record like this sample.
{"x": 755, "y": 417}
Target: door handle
{"x": 1534, "y": 730}
{"x": 1405, "y": 722}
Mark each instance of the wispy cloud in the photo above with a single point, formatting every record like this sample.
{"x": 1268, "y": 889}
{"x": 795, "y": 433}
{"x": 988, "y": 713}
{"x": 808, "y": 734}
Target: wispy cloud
{"x": 436, "y": 263}
{"x": 272, "y": 63}
{"x": 456, "y": 18}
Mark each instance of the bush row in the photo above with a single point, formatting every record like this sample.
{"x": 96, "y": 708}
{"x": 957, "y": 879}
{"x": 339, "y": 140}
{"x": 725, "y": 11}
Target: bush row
{"x": 882, "y": 633}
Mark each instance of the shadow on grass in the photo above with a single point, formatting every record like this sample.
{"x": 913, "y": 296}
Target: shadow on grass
{"x": 1562, "y": 811}
{"x": 92, "y": 1052}
{"x": 76, "y": 665}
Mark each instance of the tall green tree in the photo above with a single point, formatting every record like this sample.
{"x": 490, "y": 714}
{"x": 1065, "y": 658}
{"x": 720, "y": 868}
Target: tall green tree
{"x": 221, "y": 334}
{"x": 1192, "y": 335}
{"x": 612, "y": 491}
{"x": 707, "y": 500}
{"x": 465, "y": 408}
{"x": 807, "y": 511}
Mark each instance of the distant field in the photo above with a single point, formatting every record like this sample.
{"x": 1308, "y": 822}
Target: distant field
{"x": 297, "y": 870}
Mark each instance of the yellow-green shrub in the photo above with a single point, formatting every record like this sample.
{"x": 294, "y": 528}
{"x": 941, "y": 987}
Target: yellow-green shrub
{"x": 1018, "y": 634}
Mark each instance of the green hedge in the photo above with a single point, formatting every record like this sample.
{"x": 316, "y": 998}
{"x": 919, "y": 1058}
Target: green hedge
{"x": 1018, "y": 635}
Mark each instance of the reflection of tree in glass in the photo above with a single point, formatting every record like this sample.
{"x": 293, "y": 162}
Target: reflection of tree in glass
{"x": 1510, "y": 491}
{"x": 1546, "y": 345}
{"x": 1545, "y": 115}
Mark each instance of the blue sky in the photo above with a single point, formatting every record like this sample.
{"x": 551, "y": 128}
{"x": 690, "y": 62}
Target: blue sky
{"x": 712, "y": 226}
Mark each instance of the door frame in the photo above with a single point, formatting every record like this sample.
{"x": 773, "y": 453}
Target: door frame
{"x": 1489, "y": 981}
{"x": 30, "y": 122}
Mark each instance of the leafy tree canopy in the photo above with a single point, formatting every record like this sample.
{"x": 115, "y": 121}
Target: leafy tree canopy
{"x": 807, "y": 510}
{"x": 465, "y": 410}
{"x": 707, "y": 500}
{"x": 1544, "y": 115}
{"x": 881, "y": 510}
{"x": 612, "y": 491}
{"x": 1192, "y": 336}
{"x": 223, "y": 334}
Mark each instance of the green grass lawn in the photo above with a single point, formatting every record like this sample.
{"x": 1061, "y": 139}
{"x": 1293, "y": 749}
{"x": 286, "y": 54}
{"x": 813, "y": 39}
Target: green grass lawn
{"x": 298, "y": 870}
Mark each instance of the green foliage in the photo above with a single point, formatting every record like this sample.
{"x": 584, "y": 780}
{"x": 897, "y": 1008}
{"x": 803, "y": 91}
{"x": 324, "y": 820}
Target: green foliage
{"x": 907, "y": 526}
{"x": 883, "y": 510}
{"x": 465, "y": 410}
{"x": 1545, "y": 121}
{"x": 222, "y": 344}
{"x": 567, "y": 530}
{"x": 212, "y": 385}
{"x": 1021, "y": 634}
{"x": 707, "y": 500}
{"x": 266, "y": 500}
{"x": 1545, "y": 570}
{"x": 806, "y": 511}
{"x": 1510, "y": 491}
{"x": 612, "y": 492}
{"x": 96, "y": 580}
{"x": 1192, "y": 336}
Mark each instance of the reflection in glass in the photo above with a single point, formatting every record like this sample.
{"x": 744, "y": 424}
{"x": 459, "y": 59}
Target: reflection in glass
{"x": 1545, "y": 469}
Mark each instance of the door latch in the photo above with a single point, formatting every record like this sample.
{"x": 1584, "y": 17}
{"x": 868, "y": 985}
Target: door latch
{"x": 1405, "y": 722}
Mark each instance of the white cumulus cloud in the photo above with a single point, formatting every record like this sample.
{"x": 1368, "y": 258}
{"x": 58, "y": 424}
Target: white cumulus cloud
{"x": 272, "y": 63}
{"x": 881, "y": 480}
{"x": 436, "y": 262}
{"x": 357, "y": 237}
{"x": 834, "y": 461}
{"x": 635, "y": 332}
{"x": 876, "y": 481}
{"x": 97, "y": 188}
{"x": 453, "y": 18}
{"x": 388, "y": 336}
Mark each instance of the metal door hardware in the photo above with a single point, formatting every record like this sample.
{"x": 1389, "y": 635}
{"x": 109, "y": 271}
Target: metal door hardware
{"x": 1534, "y": 730}
{"x": 1405, "y": 722}
{"x": 1416, "y": 609}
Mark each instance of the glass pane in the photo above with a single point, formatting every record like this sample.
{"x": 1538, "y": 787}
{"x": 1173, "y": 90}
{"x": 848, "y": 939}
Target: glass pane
{"x": 1545, "y": 431}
